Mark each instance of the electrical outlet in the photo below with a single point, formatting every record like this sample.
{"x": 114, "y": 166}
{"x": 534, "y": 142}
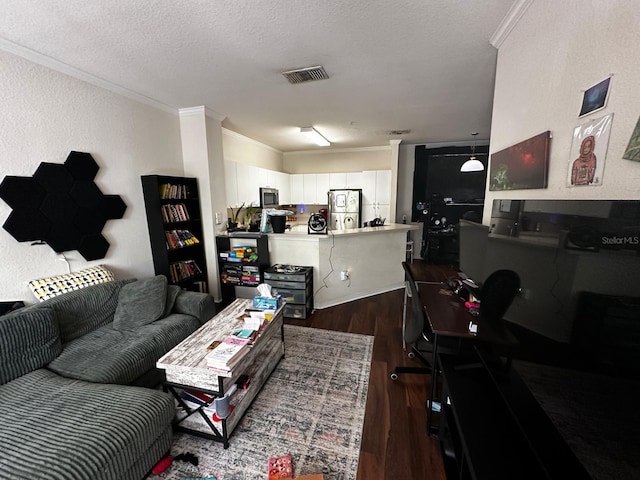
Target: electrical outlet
{"x": 218, "y": 221}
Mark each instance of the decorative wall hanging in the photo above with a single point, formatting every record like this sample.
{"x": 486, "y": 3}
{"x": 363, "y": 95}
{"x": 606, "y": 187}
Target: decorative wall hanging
{"x": 521, "y": 166}
{"x": 633, "y": 148}
{"x": 62, "y": 206}
{"x": 588, "y": 152}
{"x": 595, "y": 98}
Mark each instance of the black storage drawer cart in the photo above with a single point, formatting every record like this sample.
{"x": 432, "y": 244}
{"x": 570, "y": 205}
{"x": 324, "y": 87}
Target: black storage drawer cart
{"x": 295, "y": 284}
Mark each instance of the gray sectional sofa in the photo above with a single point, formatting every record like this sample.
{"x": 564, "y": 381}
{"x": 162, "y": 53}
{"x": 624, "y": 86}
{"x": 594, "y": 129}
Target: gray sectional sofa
{"x": 69, "y": 405}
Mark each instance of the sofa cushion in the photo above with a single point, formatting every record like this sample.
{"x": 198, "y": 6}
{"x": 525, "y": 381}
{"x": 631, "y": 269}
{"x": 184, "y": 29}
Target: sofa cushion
{"x": 82, "y": 311}
{"x": 140, "y": 303}
{"x": 55, "y": 427}
{"x": 29, "y": 339}
{"x": 108, "y": 355}
{"x": 46, "y": 288}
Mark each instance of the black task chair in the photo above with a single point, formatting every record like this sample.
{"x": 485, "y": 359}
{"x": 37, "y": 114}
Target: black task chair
{"x": 496, "y": 296}
{"x": 416, "y": 331}
{"x": 497, "y": 293}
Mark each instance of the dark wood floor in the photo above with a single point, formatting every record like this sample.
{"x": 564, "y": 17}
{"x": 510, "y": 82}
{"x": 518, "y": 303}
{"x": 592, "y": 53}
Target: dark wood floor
{"x": 395, "y": 444}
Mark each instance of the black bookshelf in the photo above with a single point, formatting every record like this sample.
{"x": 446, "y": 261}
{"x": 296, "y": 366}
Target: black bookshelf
{"x": 243, "y": 273}
{"x": 174, "y": 220}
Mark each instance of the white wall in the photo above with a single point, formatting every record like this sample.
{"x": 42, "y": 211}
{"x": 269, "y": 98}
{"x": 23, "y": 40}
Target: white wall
{"x": 337, "y": 160}
{"x": 555, "y": 52}
{"x": 45, "y": 115}
{"x": 241, "y": 149}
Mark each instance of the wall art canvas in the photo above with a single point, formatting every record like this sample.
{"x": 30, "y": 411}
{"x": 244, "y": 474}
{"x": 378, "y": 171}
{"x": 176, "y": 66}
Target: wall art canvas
{"x": 633, "y": 148}
{"x": 588, "y": 152}
{"x": 522, "y": 166}
{"x": 595, "y": 98}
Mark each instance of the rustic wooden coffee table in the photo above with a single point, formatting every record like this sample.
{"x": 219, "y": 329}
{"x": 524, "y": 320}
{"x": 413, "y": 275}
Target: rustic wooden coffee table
{"x": 186, "y": 369}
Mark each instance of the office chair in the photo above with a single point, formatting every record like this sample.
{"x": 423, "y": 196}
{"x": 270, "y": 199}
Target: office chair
{"x": 497, "y": 293}
{"x": 496, "y": 296}
{"x": 416, "y": 332}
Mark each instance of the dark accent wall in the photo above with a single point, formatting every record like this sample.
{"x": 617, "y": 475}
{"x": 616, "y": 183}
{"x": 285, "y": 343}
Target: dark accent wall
{"x": 437, "y": 172}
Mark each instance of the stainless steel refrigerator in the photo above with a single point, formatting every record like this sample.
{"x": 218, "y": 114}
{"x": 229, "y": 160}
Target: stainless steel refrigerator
{"x": 345, "y": 209}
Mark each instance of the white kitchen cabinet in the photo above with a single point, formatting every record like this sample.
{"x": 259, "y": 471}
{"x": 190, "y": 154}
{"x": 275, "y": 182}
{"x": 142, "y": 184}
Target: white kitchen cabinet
{"x": 354, "y": 180}
{"x": 369, "y": 187}
{"x": 383, "y": 187}
{"x": 323, "y": 182}
{"x": 309, "y": 186}
{"x": 337, "y": 180}
{"x": 281, "y": 181}
{"x": 376, "y": 194}
{"x": 248, "y": 179}
{"x": 297, "y": 188}
{"x": 231, "y": 184}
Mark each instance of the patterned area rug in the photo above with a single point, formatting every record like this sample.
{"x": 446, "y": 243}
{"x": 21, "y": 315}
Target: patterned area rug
{"x": 312, "y": 407}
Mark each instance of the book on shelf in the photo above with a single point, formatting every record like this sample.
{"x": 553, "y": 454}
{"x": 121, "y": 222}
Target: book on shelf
{"x": 183, "y": 270}
{"x": 175, "y": 213}
{"x": 197, "y": 398}
{"x": 171, "y": 191}
{"x": 228, "y": 353}
{"x": 180, "y": 238}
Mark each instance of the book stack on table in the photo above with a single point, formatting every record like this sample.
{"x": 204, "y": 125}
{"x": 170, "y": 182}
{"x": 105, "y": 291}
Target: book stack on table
{"x": 227, "y": 353}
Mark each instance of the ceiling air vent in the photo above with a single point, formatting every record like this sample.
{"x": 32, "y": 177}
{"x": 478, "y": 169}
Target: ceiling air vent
{"x": 398, "y": 132}
{"x": 307, "y": 74}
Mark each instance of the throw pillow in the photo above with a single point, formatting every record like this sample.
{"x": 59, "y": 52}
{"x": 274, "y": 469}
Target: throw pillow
{"x": 140, "y": 303}
{"x": 172, "y": 294}
{"x": 45, "y": 288}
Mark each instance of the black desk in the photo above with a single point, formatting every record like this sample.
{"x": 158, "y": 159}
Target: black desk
{"x": 493, "y": 428}
{"x": 490, "y": 423}
{"x": 448, "y": 316}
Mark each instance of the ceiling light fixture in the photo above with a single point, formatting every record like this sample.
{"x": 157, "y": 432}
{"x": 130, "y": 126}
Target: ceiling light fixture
{"x": 314, "y": 135}
{"x": 473, "y": 164}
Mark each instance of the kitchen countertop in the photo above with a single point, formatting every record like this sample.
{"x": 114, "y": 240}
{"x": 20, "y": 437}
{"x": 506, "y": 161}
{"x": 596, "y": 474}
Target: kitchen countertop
{"x": 299, "y": 232}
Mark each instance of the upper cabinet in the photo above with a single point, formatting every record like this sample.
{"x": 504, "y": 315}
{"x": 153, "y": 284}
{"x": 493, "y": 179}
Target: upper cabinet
{"x": 309, "y": 188}
{"x": 280, "y": 180}
{"x": 231, "y": 184}
{"x": 243, "y": 184}
{"x": 376, "y": 194}
{"x": 323, "y": 182}
{"x": 296, "y": 188}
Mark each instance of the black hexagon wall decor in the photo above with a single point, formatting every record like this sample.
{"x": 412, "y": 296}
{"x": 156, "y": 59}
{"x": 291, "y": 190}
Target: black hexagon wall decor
{"x": 62, "y": 206}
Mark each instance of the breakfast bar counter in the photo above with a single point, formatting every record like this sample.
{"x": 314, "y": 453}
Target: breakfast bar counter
{"x": 371, "y": 256}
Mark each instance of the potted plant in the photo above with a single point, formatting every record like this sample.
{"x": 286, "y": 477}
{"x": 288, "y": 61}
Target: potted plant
{"x": 233, "y": 220}
{"x": 249, "y": 212}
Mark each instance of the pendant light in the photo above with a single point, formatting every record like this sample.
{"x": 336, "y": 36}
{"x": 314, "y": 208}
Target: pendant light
{"x": 473, "y": 164}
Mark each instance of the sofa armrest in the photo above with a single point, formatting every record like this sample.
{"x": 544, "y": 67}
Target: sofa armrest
{"x": 199, "y": 305}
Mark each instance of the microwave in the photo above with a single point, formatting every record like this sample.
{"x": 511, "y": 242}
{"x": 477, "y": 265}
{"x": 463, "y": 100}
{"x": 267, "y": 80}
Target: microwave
{"x": 269, "y": 197}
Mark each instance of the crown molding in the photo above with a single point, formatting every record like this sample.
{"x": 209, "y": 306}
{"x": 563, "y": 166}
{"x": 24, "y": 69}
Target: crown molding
{"x": 191, "y": 111}
{"x": 231, "y": 133}
{"x": 510, "y": 20}
{"x": 338, "y": 150}
{"x": 201, "y": 110}
{"x": 53, "y": 64}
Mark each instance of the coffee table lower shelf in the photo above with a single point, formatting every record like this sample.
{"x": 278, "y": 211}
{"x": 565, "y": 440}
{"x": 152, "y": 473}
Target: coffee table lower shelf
{"x": 186, "y": 369}
{"x": 220, "y": 431}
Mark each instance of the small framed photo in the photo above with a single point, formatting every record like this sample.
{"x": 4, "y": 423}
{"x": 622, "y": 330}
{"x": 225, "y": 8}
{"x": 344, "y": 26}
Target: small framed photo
{"x": 595, "y": 98}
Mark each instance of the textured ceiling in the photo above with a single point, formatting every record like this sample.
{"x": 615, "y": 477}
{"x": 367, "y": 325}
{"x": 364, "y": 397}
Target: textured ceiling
{"x": 423, "y": 65}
